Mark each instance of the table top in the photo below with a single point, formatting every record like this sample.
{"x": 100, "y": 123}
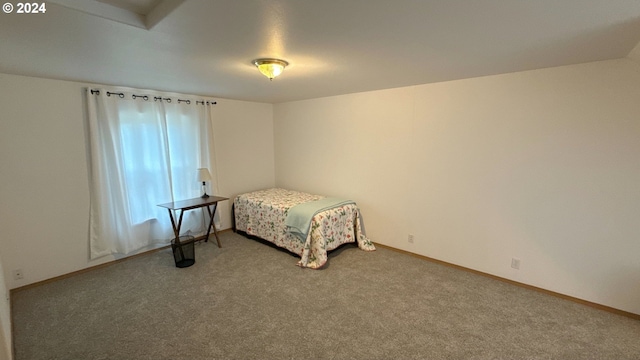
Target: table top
{"x": 193, "y": 203}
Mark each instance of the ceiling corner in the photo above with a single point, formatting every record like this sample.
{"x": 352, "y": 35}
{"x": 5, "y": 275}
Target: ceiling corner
{"x": 141, "y": 14}
{"x": 161, "y": 11}
{"x": 634, "y": 54}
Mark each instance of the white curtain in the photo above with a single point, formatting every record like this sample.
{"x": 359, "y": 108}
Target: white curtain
{"x": 145, "y": 149}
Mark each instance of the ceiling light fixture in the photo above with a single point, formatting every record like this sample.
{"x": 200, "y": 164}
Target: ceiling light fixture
{"x": 270, "y": 67}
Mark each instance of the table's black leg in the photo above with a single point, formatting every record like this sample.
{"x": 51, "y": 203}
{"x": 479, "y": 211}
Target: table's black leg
{"x": 176, "y": 230}
{"x": 211, "y": 224}
{"x": 173, "y": 224}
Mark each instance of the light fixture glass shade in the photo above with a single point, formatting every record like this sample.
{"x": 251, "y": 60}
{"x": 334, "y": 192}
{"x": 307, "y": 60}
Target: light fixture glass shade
{"x": 204, "y": 175}
{"x": 270, "y": 67}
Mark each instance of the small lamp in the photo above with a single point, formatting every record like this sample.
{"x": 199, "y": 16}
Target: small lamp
{"x": 204, "y": 176}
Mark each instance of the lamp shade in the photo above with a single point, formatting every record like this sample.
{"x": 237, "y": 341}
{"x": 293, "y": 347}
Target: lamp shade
{"x": 270, "y": 67}
{"x": 204, "y": 175}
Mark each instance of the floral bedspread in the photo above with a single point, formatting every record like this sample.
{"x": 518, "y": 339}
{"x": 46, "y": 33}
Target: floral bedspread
{"x": 263, "y": 213}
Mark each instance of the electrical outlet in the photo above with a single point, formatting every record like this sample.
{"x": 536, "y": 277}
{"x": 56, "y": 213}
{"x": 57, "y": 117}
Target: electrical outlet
{"x": 515, "y": 263}
{"x": 18, "y": 274}
{"x": 410, "y": 239}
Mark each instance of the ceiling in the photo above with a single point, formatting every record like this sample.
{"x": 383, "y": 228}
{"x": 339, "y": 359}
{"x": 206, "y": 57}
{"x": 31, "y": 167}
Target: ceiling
{"x": 333, "y": 46}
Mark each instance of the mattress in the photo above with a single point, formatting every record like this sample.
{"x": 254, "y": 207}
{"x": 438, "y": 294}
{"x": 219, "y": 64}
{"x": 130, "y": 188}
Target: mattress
{"x": 263, "y": 214}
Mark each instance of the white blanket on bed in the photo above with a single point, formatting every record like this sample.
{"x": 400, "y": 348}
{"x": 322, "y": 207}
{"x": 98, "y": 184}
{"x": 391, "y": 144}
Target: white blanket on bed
{"x": 298, "y": 220}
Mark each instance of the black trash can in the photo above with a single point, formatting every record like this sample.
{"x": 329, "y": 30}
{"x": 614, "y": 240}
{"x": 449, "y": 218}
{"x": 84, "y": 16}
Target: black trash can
{"x": 184, "y": 252}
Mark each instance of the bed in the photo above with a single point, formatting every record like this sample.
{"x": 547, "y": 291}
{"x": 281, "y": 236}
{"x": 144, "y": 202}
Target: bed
{"x": 304, "y": 224}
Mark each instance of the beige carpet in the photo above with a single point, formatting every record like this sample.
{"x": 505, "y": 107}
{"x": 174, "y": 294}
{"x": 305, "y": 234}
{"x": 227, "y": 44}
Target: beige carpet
{"x": 249, "y": 301}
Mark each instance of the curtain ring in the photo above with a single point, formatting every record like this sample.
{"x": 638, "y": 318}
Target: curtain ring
{"x": 121, "y": 95}
{"x": 144, "y": 97}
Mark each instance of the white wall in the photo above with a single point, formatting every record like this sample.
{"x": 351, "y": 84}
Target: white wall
{"x": 5, "y": 316}
{"x": 539, "y": 165}
{"x": 44, "y": 212}
{"x": 243, "y": 134}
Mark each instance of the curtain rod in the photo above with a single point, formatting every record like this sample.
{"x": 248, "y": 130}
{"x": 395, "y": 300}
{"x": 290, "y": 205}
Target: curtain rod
{"x": 155, "y": 98}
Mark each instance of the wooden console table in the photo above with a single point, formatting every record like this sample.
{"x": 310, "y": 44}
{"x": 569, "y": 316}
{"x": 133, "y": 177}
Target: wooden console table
{"x": 211, "y": 203}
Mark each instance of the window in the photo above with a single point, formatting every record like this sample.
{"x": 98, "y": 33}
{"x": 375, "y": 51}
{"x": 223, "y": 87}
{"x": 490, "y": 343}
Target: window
{"x": 144, "y": 152}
